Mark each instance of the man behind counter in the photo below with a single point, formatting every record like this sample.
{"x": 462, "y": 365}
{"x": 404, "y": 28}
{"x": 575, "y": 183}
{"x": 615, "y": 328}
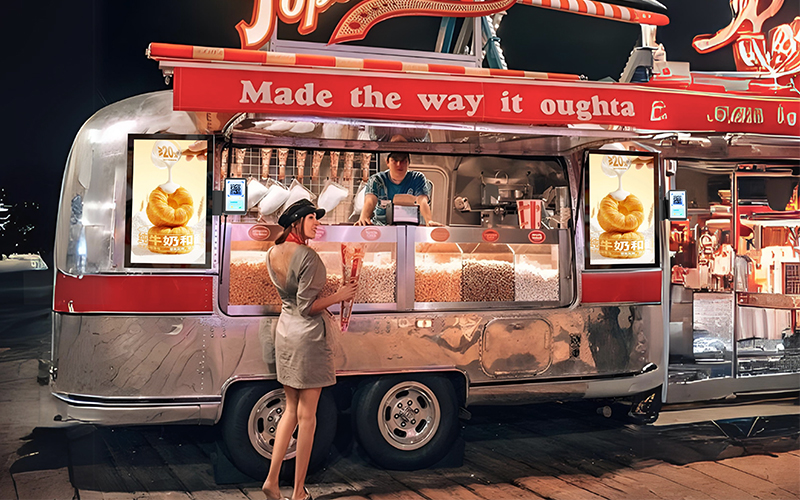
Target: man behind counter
{"x": 397, "y": 179}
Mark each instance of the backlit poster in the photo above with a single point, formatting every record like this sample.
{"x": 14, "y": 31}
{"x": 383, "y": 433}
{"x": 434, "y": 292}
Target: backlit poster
{"x": 621, "y": 209}
{"x": 167, "y": 222}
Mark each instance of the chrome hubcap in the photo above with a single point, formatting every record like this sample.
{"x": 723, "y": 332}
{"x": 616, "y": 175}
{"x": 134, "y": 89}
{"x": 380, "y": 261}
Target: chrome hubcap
{"x": 263, "y": 424}
{"x": 409, "y": 416}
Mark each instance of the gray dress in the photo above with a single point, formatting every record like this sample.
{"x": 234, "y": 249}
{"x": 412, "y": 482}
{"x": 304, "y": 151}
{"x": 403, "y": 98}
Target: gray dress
{"x": 303, "y": 352}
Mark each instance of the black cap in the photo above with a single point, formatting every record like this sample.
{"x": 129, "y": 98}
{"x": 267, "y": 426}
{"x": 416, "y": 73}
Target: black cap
{"x": 297, "y": 211}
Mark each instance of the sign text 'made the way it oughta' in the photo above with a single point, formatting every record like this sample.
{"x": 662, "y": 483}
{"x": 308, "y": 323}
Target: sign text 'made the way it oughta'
{"x": 295, "y": 92}
{"x": 367, "y": 96}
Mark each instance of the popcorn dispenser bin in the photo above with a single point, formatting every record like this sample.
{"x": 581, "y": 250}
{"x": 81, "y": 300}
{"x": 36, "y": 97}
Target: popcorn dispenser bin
{"x": 248, "y": 290}
{"x": 488, "y": 273}
{"x": 437, "y": 272}
{"x": 536, "y": 273}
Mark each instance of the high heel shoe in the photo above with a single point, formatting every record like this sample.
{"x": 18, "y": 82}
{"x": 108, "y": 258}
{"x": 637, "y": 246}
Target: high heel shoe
{"x": 308, "y": 495}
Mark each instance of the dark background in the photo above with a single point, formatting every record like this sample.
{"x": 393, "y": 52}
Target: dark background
{"x": 65, "y": 60}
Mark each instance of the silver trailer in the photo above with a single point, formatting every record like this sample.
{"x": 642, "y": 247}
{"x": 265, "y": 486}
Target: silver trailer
{"x": 477, "y": 311}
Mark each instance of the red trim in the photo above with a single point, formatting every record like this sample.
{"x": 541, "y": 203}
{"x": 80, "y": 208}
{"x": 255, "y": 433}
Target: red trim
{"x": 446, "y": 68}
{"x": 133, "y": 294}
{"x": 250, "y": 56}
{"x": 171, "y": 50}
{"x": 621, "y": 286}
{"x": 383, "y": 65}
{"x": 315, "y": 60}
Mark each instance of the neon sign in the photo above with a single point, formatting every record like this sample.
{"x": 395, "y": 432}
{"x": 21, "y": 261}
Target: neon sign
{"x": 367, "y": 13}
{"x": 358, "y": 21}
{"x": 776, "y": 53}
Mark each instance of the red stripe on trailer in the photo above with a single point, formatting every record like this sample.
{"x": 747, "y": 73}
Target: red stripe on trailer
{"x": 582, "y": 8}
{"x": 621, "y": 286}
{"x": 154, "y": 294}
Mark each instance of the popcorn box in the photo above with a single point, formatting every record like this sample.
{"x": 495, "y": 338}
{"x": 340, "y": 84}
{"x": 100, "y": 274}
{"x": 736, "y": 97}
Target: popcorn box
{"x": 530, "y": 213}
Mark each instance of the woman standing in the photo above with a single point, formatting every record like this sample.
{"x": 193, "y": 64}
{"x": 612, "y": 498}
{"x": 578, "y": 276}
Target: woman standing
{"x": 303, "y": 352}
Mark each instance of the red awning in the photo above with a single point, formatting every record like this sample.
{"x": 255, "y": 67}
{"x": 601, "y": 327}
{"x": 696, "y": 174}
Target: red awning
{"x": 235, "y": 80}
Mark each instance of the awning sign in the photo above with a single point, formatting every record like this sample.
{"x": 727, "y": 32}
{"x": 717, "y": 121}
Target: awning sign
{"x": 348, "y": 94}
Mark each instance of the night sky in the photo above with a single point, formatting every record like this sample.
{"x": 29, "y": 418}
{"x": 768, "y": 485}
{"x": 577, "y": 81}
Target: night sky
{"x": 65, "y": 60}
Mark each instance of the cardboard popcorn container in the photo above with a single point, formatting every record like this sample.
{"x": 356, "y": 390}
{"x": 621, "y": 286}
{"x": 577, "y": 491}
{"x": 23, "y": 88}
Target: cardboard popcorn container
{"x": 530, "y": 213}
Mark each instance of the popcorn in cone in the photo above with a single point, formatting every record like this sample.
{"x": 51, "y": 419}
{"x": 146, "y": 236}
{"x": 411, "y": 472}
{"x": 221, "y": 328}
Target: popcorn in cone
{"x": 347, "y": 173}
{"x": 316, "y": 161}
{"x": 365, "y": 159}
{"x": 283, "y": 155}
{"x": 334, "y": 165}
{"x": 301, "y": 164}
{"x": 266, "y": 156}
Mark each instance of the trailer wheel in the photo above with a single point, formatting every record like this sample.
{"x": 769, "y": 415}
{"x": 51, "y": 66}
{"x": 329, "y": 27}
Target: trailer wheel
{"x": 406, "y": 422}
{"x": 249, "y": 422}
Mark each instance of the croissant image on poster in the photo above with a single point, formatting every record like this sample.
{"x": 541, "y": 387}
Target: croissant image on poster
{"x": 621, "y": 209}
{"x": 168, "y": 219}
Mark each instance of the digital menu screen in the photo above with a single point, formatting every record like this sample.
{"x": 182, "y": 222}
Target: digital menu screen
{"x": 168, "y": 217}
{"x": 621, "y": 209}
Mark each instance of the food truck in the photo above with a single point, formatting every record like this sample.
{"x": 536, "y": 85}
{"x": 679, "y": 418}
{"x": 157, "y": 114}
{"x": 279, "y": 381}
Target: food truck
{"x": 613, "y": 241}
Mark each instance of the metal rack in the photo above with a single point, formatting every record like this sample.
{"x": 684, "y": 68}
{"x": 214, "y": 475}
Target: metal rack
{"x": 252, "y": 169}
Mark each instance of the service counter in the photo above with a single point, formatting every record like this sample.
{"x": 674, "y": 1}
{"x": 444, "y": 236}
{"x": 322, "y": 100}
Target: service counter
{"x": 409, "y": 268}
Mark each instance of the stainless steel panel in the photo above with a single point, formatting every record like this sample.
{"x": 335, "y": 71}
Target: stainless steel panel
{"x": 175, "y": 357}
{"x": 530, "y": 341}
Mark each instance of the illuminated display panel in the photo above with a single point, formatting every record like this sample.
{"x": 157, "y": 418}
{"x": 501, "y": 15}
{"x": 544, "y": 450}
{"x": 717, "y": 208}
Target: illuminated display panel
{"x": 622, "y": 215}
{"x": 168, "y": 218}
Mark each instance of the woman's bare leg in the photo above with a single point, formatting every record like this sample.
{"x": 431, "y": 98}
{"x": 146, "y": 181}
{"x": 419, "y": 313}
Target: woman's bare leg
{"x": 307, "y": 424}
{"x": 283, "y": 435}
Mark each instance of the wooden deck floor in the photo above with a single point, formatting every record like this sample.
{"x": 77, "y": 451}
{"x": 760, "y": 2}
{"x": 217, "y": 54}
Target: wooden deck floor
{"x": 558, "y": 452}
{"x": 551, "y": 451}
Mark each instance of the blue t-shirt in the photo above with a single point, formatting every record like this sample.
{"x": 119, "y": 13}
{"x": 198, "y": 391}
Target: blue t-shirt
{"x": 384, "y": 189}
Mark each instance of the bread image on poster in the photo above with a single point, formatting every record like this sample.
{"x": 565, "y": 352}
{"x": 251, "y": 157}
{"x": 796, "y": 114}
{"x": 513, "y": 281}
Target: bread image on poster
{"x": 621, "y": 197}
{"x": 169, "y": 189}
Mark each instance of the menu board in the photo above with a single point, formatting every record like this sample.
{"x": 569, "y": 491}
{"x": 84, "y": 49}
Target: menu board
{"x": 168, "y": 216}
{"x": 621, "y": 209}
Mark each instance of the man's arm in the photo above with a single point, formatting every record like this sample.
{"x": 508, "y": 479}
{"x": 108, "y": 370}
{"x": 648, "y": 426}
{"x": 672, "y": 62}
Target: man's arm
{"x": 425, "y": 210}
{"x": 370, "y": 202}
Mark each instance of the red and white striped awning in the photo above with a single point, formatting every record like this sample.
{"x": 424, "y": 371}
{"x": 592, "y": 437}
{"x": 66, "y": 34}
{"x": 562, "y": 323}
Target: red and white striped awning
{"x": 602, "y": 9}
{"x": 220, "y": 80}
{"x": 161, "y": 51}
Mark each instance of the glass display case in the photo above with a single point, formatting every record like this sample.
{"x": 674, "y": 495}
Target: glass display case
{"x": 248, "y": 290}
{"x": 475, "y": 268}
{"x": 406, "y": 268}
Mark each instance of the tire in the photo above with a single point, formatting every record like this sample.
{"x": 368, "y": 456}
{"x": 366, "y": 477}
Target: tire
{"x": 249, "y": 421}
{"x": 419, "y": 436}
